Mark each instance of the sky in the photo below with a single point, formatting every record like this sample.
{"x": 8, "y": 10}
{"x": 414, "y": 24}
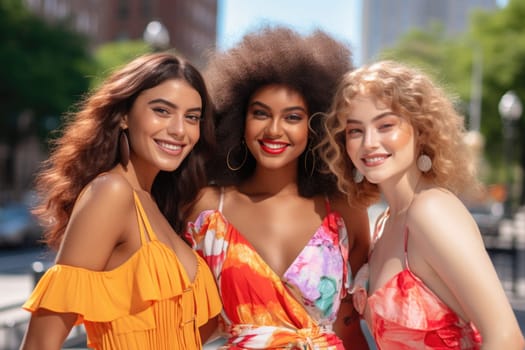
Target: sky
{"x": 341, "y": 18}
{"x": 337, "y": 17}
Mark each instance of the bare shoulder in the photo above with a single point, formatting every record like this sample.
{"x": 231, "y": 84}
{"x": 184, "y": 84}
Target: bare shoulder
{"x": 436, "y": 202}
{"x": 340, "y": 204}
{"x": 440, "y": 214}
{"x": 351, "y": 214}
{"x": 111, "y": 185}
{"x": 109, "y": 191}
{"x": 207, "y": 199}
{"x": 98, "y": 222}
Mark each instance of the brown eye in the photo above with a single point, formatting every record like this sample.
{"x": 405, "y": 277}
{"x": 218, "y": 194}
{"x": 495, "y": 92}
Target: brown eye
{"x": 294, "y": 117}
{"x": 259, "y": 113}
{"x": 160, "y": 110}
{"x": 194, "y": 118}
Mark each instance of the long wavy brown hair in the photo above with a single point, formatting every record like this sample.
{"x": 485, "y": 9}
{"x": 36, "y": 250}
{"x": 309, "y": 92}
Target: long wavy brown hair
{"x": 87, "y": 146}
{"x": 310, "y": 64}
{"x": 411, "y": 94}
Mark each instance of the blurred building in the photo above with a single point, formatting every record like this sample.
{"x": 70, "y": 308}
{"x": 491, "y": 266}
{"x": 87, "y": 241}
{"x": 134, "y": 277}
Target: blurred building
{"x": 384, "y": 21}
{"x": 191, "y": 24}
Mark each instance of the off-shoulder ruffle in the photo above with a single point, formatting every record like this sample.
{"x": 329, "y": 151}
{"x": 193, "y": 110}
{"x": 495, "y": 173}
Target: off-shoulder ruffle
{"x": 152, "y": 274}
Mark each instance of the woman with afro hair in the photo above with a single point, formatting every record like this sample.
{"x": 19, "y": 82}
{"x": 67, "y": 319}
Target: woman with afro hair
{"x": 280, "y": 239}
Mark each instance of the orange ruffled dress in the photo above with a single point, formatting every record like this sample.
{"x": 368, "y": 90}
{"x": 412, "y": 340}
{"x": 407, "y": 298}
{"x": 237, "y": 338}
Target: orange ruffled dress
{"x": 148, "y": 302}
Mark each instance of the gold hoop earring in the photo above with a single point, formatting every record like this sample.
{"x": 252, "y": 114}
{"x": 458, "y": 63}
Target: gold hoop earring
{"x": 123, "y": 144}
{"x": 311, "y": 152}
{"x": 228, "y": 163}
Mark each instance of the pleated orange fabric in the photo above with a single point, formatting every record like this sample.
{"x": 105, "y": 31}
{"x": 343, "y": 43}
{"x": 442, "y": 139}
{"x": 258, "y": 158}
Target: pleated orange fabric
{"x": 146, "y": 303}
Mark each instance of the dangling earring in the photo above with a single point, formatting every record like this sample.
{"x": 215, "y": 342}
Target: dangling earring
{"x": 424, "y": 163}
{"x": 311, "y": 152}
{"x": 228, "y": 163}
{"x": 123, "y": 146}
{"x": 358, "y": 176}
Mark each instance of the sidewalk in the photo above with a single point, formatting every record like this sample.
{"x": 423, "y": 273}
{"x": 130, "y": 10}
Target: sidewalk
{"x": 14, "y": 290}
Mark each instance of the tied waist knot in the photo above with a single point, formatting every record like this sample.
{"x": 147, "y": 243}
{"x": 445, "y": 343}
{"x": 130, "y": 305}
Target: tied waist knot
{"x": 307, "y": 338}
{"x": 246, "y": 336}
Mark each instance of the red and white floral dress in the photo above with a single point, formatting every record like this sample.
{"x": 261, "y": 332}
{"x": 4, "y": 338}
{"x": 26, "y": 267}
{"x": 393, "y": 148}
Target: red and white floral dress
{"x": 405, "y": 314}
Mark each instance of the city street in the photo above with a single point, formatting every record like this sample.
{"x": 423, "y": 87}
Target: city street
{"x": 61, "y": 97}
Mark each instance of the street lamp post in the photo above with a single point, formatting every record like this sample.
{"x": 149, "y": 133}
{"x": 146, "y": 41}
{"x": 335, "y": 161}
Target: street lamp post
{"x": 157, "y": 36}
{"x": 510, "y": 109}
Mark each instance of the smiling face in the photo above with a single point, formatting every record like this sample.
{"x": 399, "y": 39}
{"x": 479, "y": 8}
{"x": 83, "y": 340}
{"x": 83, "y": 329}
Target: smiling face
{"x": 163, "y": 125}
{"x": 380, "y": 144}
{"x": 276, "y": 131}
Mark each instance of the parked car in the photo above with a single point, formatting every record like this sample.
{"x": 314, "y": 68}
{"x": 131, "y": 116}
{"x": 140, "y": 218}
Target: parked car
{"x": 488, "y": 216}
{"x": 18, "y": 226}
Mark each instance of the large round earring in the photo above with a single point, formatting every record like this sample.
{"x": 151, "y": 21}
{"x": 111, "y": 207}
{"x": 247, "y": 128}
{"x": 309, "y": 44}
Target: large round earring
{"x": 228, "y": 163}
{"x": 123, "y": 146}
{"x": 424, "y": 163}
{"x": 358, "y": 176}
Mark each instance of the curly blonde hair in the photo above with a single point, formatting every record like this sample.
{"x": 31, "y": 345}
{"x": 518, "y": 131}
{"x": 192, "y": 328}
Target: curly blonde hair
{"x": 411, "y": 94}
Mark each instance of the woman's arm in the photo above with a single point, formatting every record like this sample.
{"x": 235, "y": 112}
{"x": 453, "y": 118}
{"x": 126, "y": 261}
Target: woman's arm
{"x": 209, "y": 331}
{"x": 347, "y": 325}
{"x": 444, "y": 234}
{"x": 47, "y": 330}
{"x": 96, "y": 226}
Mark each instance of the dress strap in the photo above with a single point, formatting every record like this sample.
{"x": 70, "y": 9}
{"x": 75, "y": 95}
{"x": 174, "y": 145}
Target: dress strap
{"x": 380, "y": 225}
{"x": 221, "y": 200}
{"x": 141, "y": 215}
{"x": 406, "y": 226}
{"x": 406, "y": 248}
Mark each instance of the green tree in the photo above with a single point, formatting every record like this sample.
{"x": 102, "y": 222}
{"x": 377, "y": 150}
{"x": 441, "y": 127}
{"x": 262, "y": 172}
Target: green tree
{"x": 445, "y": 59}
{"x": 43, "y": 70}
{"x": 110, "y": 56}
{"x": 499, "y": 39}
{"x": 502, "y": 37}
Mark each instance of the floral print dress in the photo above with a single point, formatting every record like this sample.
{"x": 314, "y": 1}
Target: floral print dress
{"x": 405, "y": 314}
{"x": 262, "y": 310}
